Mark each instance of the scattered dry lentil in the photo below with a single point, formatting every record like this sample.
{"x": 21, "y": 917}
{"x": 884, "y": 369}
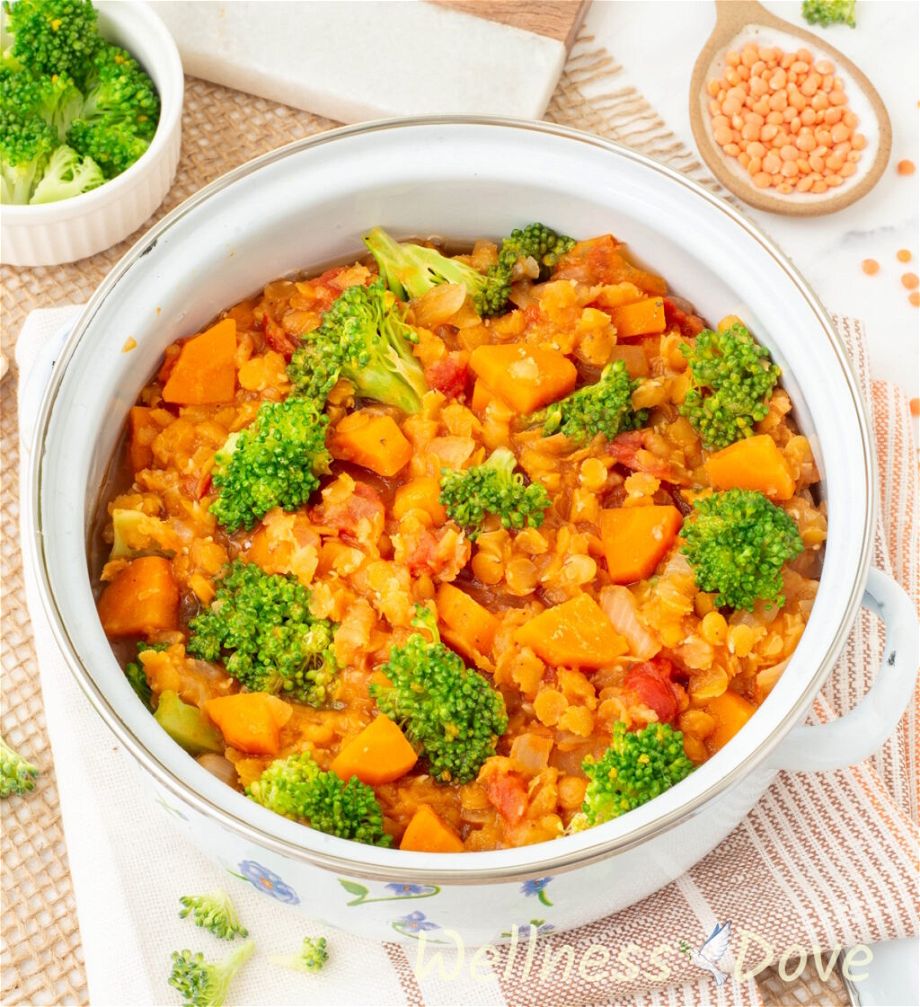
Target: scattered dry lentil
{"x": 906, "y": 167}
{"x": 904, "y": 255}
{"x": 915, "y": 407}
{"x": 785, "y": 118}
{"x": 870, "y": 267}
{"x": 911, "y": 281}
{"x": 914, "y": 298}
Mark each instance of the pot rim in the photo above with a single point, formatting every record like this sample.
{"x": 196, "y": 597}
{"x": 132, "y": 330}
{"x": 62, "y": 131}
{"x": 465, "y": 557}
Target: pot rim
{"x": 459, "y": 868}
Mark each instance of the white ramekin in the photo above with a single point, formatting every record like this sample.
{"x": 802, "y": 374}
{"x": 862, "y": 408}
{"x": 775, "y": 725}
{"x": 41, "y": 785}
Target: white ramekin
{"x": 72, "y": 229}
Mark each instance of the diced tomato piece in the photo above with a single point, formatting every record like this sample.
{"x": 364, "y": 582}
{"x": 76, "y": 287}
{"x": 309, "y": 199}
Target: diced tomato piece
{"x": 449, "y": 375}
{"x": 626, "y": 449}
{"x": 690, "y": 325}
{"x": 507, "y": 792}
{"x": 279, "y": 340}
{"x": 651, "y": 681}
{"x": 364, "y": 505}
{"x": 601, "y": 260}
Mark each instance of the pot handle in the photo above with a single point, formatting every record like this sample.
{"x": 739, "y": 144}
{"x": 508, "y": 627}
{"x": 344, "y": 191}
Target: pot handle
{"x": 861, "y": 732}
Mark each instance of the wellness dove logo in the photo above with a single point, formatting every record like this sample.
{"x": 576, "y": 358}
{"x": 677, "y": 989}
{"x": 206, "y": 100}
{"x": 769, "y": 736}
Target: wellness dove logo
{"x": 710, "y": 954}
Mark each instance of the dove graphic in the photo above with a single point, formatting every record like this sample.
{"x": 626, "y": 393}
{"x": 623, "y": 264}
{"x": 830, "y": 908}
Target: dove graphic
{"x": 711, "y": 952}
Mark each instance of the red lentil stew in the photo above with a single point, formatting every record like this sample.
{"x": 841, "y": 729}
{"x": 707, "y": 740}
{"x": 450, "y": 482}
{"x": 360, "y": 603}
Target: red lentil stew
{"x": 461, "y": 552}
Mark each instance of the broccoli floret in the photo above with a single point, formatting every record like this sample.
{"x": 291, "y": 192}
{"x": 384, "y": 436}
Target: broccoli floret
{"x": 828, "y": 12}
{"x": 411, "y": 270}
{"x": 737, "y": 543}
{"x": 214, "y": 912}
{"x": 137, "y": 679}
{"x": 118, "y": 89}
{"x": 67, "y": 175}
{"x": 448, "y": 711}
{"x": 109, "y": 141}
{"x": 364, "y": 339}
{"x": 297, "y": 788}
{"x": 312, "y": 957}
{"x": 202, "y": 983}
{"x": 638, "y": 766}
{"x": 17, "y": 776}
{"x": 26, "y": 144}
{"x": 469, "y": 495}
{"x": 136, "y": 676}
{"x": 535, "y": 241}
{"x": 55, "y": 99}
{"x": 260, "y": 626}
{"x": 53, "y": 36}
{"x": 732, "y": 378}
{"x": 274, "y": 462}
{"x": 601, "y": 408}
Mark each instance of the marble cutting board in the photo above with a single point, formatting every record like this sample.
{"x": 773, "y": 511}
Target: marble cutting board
{"x": 354, "y": 61}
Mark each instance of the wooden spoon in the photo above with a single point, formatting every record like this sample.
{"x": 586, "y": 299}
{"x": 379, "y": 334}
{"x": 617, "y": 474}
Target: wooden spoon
{"x": 740, "y": 21}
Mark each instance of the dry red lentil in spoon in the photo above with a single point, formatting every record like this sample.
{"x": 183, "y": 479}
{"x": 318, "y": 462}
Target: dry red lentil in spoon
{"x": 785, "y": 118}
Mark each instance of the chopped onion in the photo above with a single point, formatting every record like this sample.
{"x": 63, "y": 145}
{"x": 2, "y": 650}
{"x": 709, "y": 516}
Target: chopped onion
{"x": 220, "y": 767}
{"x": 438, "y": 305}
{"x": 619, "y": 606}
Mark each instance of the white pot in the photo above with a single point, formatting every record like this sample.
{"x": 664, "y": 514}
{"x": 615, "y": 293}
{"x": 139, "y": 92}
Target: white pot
{"x": 72, "y": 229}
{"x": 307, "y": 205}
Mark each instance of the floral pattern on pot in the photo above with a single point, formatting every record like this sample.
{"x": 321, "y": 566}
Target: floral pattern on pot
{"x": 267, "y": 882}
{"x": 414, "y": 924}
{"x": 524, "y": 930}
{"x": 537, "y": 886}
{"x": 401, "y": 890}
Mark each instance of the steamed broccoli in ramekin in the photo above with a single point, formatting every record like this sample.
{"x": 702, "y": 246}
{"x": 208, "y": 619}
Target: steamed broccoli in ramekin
{"x": 75, "y": 110}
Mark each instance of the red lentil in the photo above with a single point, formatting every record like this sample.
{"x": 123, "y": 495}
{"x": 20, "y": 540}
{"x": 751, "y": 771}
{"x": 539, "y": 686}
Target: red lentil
{"x": 784, "y": 117}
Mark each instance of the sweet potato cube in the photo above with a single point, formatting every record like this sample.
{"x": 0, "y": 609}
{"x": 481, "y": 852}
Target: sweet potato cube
{"x": 526, "y": 376}
{"x": 474, "y": 627}
{"x": 636, "y": 538}
{"x": 205, "y": 372}
{"x": 250, "y": 721}
{"x": 643, "y": 318}
{"x": 426, "y": 833}
{"x": 371, "y": 440}
{"x": 143, "y": 598}
{"x": 576, "y": 633}
{"x": 755, "y": 463}
{"x": 381, "y": 753}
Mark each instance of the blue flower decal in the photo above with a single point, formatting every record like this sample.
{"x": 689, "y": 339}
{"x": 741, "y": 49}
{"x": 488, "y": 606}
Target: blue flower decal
{"x": 268, "y": 882}
{"x": 406, "y": 889}
{"x": 415, "y": 923}
{"x": 401, "y": 890}
{"x": 537, "y": 886}
{"x": 524, "y": 930}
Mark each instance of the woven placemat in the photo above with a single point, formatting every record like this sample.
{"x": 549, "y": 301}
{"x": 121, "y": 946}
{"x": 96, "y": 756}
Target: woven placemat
{"x": 41, "y": 960}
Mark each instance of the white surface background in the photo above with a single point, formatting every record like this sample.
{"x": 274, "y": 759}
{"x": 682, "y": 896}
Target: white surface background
{"x": 657, "y": 42}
